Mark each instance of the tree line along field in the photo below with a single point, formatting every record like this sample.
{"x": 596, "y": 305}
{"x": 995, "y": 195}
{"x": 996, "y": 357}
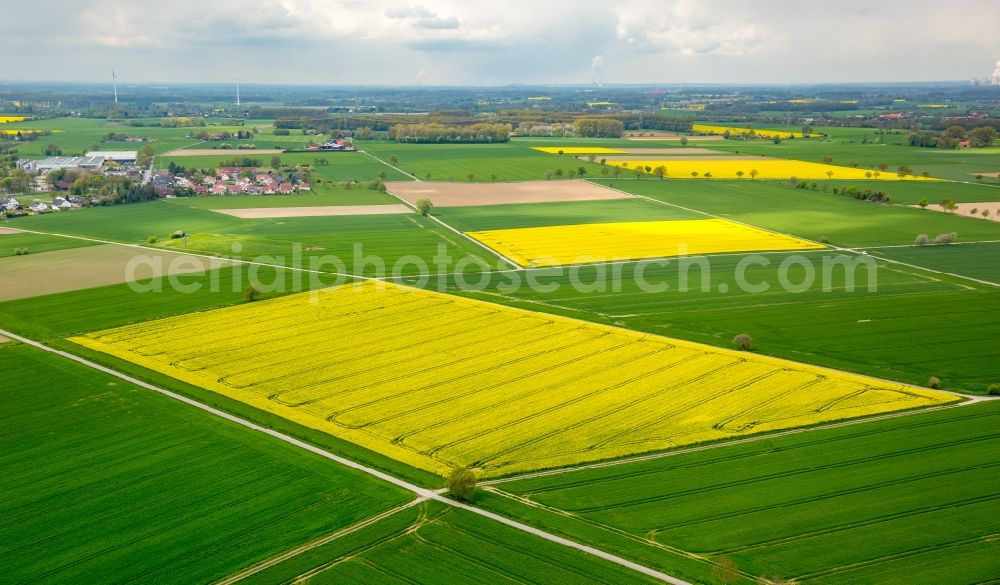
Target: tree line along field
{"x": 149, "y": 488}
{"x": 895, "y": 501}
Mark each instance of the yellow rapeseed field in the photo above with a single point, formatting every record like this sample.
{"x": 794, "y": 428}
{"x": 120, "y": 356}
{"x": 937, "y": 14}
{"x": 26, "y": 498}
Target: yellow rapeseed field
{"x": 8, "y": 119}
{"x": 767, "y": 168}
{"x": 578, "y": 150}
{"x": 764, "y": 132}
{"x": 436, "y": 380}
{"x": 602, "y": 242}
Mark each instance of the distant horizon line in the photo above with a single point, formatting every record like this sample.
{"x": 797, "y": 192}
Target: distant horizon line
{"x": 580, "y": 85}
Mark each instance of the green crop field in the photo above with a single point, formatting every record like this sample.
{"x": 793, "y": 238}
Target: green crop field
{"x": 514, "y": 161}
{"x": 34, "y": 243}
{"x": 105, "y": 482}
{"x": 362, "y": 243}
{"x": 491, "y": 217}
{"x": 877, "y": 502}
{"x": 978, "y": 260}
{"x": 453, "y": 546}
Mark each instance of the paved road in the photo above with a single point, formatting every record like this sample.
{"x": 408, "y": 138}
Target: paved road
{"x": 419, "y": 491}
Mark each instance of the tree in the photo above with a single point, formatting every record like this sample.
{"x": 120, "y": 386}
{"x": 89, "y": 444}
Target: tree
{"x": 934, "y": 382}
{"x": 637, "y": 171}
{"x": 948, "y": 238}
{"x": 394, "y": 160}
{"x": 560, "y": 173}
{"x": 471, "y": 176}
{"x": 250, "y": 294}
{"x": 684, "y": 140}
{"x": 581, "y": 171}
{"x": 493, "y": 177}
{"x": 424, "y": 206}
{"x": 883, "y": 167}
{"x": 275, "y": 162}
{"x": 52, "y": 150}
{"x": 548, "y": 175}
{"x": 945, "y": 204}
{"x": 616, "y": 171}
{"x": 660, "y": 171}
{"x": 694, "y": 174}
{"x": 572, "y": 173}
{"x": 754, "y": 173}
{"x": 827, "y": 160}
{"x": 829, "y": 175}
{"x": 739, "y": 174}
{"x": 922, "y": 240}
{"x": 725, "y": 570}
{"x": 743, "y": 341}
{"x": 986, "y": 214}
{"x": 982, "y": 137}
{"x": 462, "y": 484}
{"x": 868, "y": 174}
{"x": 923, "y": 204}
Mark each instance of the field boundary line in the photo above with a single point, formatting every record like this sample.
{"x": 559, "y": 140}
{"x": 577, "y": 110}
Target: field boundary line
{"x": 425, "y": 493}
{"x": 969, "y": 401}
{"x": 280, "y": 558}
{"x": 388, "y": 164}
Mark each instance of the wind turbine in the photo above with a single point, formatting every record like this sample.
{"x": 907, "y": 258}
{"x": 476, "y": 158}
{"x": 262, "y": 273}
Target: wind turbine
{"x": 114, "y": 84}
{"x": 237, "y": 80}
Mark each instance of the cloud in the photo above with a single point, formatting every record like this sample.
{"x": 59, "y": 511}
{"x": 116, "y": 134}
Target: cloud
{"x": 484, "y": 41}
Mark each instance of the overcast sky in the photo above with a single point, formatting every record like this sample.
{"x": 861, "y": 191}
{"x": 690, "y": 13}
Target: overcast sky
{"x": 431, "y": 42}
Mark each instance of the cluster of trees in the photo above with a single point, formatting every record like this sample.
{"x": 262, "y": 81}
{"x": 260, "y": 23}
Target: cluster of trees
{"x": 556, "y": 129}
{"x": 648, "y": 121}
{"x": 598, "y": 127}
{"x": 572, "y": 173}
{"x": 953, "y": 136}
{"x": 473, "y": 133}
{"x": 242, "y": 161}
{"x": 181, "y": 122}
{"x": 862, "y": 194}
{"x": 14, "y": 181}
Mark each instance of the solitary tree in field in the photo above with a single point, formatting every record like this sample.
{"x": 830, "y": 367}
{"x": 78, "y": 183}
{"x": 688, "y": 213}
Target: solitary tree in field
{"x": 250, "y": 294}
{"x": 604, "y": 161}
{"x": 708, "y": 175}
{"x": 934, "y": 382}
{"x": 276, "y": 162}
{"x": 694, "y": 174}
{"x": 462, "y": 484}
{"x": 923, "y": 204}
{"x": 725, "y": 570}
{"x": 638, "y": 172}
{"x": 743, "y": 341}
{"x": 660, "y": 171}
{"x": 986, "y": 214}
{"x": 922, "y": 240}
{"x": 581, "y": 171}
{"x": 684, "y": 140}
{"x": 493, "y": 178}
{"x": 424, "y": 206}
{"x": 829, "y": 175}
{"x": 868, "y": 174}
{"x": 572, "y": 173}
{"x": 925, "y": 175}
{"x": 394, "y": 160}
{"x": 560, "y": 153}
{"x": 754, "y": 173}
{"x": 739, "y": 174}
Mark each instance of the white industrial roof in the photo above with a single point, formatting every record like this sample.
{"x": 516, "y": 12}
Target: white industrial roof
{"x": 115, "y": 154}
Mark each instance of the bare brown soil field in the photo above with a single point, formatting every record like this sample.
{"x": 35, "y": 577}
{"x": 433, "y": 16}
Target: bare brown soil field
{"x": 92, "y": 266}
{"x": 966, "y": 209}
{"x": 318, "y": 211}
{"x": 7, "y": 231}
{"x": 221, "y": 151}
{"x": 464, "y": 194}
{"x": 3, "y": 339}
{"x": 994, "y": 175}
